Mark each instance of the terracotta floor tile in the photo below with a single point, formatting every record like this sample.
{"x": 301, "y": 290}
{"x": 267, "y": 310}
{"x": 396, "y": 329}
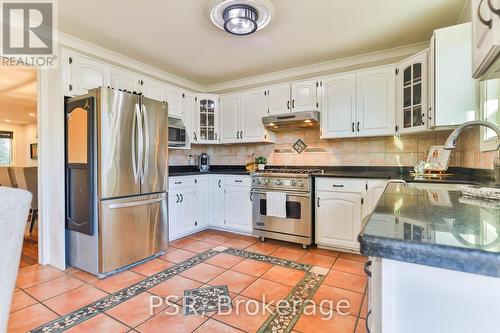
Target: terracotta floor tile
{"x": 324, "y": 252}
{"x": 85, "y": 277}
{"x": 262, "y": 248}
{"x": 152, "y": 267}
{"x": 361, "y": 326}
{"x": 216, "y": 239}
{"x": 136, "y": 310}
{"x": 71, "y": 270}
{"x": 267, "y": 291}
{"x": 316, "y": 323}
{"x": 200, "y": 235}
{"x": 235, "y": 281}
{"x": 344, "y": 280}
{"x": 328, "y": 293}
{"x": 315, "y": 259}
{"x": 252, "y": 267}
{"x": 175, "y": 286}
{"x": 29, "y": 318}
{"x": 100, "y": 323}
{"x": 119, "y": 281}
{"x": 30, "y": 277}
{"x": 164, "y": 322}
{"x": 178, "y": 255}
{"x": 54, "y": 287}
{"x": 74, "y": 299}
{"x": 21, "y": 300}
{"x": 203, "y": 272}
{"x": 198, "y": 247}
{"x": 364, "y": 307}
{"x": 224, "y": 260}
{"x": 349, "y": 266}
{"x": 285, "y": 275}
{"x": 252, "y": 239}
{"x": 353, "y": 256}
{"x": 181, "y": 242}
{"x": 239, "y": 244}
{"x": 238, "y": 317}
{"x": 214, "y": 326}
{"x": 289, "y": 253}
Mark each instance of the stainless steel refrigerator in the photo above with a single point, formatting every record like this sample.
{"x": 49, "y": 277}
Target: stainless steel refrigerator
{"x": 116, "y": 180}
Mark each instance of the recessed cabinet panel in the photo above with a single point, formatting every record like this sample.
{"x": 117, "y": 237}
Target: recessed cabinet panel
{"x": 338, "y": 106}
{"x": 230, "y": 114}
{"x": 279, "y": 99}
{"x": 175, "y": 99}
{"x": 88, "y": 74}
{"x": 304, "y": 96}
{"x": 125, "y": 80}
{"x": 252, "y": 107}
{"x": 153, "y": 89}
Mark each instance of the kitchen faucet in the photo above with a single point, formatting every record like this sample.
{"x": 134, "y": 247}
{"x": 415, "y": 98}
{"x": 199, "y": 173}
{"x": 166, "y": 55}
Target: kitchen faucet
{"x": 452, "y": 140}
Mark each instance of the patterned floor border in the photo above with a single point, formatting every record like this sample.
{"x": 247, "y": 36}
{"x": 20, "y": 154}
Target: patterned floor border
{"x": 304, "y": 290}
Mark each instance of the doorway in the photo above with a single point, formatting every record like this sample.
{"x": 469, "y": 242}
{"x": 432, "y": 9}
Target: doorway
{"x": 19, "y": 146}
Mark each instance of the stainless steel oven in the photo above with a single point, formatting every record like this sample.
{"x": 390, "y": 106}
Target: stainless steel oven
{"x": 297, "y": 225}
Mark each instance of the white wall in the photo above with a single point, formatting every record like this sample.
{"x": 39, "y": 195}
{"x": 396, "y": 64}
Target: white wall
{"x": 24, "y": 135}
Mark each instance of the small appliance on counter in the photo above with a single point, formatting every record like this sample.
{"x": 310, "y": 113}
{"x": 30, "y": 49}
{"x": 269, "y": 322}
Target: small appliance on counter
{"x": 204, "y": 162}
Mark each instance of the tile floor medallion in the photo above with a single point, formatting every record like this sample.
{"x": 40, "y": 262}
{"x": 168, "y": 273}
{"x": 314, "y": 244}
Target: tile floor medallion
{"x": 199, "y": 301}
{"x": 203, "y": 298}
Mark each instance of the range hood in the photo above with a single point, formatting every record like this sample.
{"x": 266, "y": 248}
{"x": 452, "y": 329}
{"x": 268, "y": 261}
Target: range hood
{"x": 292, "y": 121}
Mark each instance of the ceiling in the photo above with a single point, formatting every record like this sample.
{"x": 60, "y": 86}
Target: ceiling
{"x": 18, "y": 95}
{"x": 177, "y": 35}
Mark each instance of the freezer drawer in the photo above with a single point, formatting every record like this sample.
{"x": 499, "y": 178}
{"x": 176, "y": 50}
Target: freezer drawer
{"x": 131, "y": 229}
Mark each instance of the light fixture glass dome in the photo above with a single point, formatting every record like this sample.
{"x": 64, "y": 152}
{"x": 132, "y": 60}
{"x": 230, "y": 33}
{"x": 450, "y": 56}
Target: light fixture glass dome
{"x": 240, "y": 19}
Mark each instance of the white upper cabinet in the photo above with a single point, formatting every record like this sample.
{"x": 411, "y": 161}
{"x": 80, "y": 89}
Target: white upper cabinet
{"x": 152, "y": 89}
{"x": 87, "y": 74}
{"x": 305, "y": 96}
{"x": 412, "y": 106}
{"x": 125, "y": 80}
{"x": 338, "y": 106}
{"x": 485, "y": 39}
{"x": 230, "y": 118}
{"x": 279, "y": 99}
{"x": 208, "y": 118}
{"x": 375, "y": 101}
{"x": 191, "y": 117}
{"x": 452, "y": 88}
{"x": 252, "y": 108}
{"x": 175, "y": 99}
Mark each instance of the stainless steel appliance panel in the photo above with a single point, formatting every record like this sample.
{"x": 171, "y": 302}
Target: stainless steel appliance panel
{"x": 298, "y": 210}
{"x": 154, "y": 166}
{"x": 131, "y": 229}
{"x": 119, "y": 135}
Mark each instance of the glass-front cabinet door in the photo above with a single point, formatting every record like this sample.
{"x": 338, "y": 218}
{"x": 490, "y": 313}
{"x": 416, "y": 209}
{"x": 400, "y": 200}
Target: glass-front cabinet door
{"x": 412, "y": 94}
{"x": 208, "y": 113}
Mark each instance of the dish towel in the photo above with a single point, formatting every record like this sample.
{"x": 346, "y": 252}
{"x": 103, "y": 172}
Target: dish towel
{"x": 276, "y": 204}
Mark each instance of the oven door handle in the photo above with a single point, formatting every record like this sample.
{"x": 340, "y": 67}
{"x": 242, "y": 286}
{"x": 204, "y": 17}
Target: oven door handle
{"x": 295, "y": 194}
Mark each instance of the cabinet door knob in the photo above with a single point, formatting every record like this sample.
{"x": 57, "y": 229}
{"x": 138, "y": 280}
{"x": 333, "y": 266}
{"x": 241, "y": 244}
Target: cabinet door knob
{"x": 288, "y": 105}
{"x": 293, "y": 104}
{"x": 178, "y": 198}
{"x": 366, "y": 321}
{"x": 492, "y": 8}
{"x": 481, "y": 18}
{"x": 358, "y": 126}
{"x": 237, "y": 135}
{"x": 352, "y": 126}
{"x": 366, "y": 268}
{"x": 241, "y": 135}
{"x": 317, "y": 202}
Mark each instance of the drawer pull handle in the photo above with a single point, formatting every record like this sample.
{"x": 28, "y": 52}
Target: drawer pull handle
{"x": 335, "y": 185}
{"x": 366, "y": 321}
{"x": 177, "y": 183}
{"x": 366, "y": 268}
{"x": 238, "y": 181}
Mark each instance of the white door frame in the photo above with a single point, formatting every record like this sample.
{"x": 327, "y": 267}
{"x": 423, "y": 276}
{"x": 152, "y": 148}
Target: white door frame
{"x": 50, "y": 126}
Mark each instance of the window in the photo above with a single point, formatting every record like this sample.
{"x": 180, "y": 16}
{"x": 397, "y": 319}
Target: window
{"x": 6, "y": 147}
{"x": 490, "y": 102}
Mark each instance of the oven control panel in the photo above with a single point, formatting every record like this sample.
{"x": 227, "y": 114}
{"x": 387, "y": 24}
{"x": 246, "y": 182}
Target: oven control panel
{"x": 302, "y": 184}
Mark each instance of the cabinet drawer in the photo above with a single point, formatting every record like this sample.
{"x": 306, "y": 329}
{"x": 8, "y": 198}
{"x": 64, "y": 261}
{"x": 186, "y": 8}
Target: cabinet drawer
{"x": 176, "y": 182}
{"x": 340, "y": 185}
{"x": 240, "y": 180}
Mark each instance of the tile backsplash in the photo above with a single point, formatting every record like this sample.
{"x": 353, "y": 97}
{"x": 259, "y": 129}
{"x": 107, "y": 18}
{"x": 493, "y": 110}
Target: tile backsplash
{"x": 405, "y": 150}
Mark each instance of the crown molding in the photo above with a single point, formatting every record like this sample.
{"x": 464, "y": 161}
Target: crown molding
{"x": 319, "y": 69}
{"x": 123, "y": 61}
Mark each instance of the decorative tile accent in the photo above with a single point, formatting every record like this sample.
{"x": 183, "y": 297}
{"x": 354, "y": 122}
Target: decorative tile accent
{"x": 319, "y": 270}
{"x": 284, "y": 317}
{"x": 299, "y": 146}
{"x": 268, "y": 259}
{"x": 220, "y": 248}
{"x": 74, "y": 318}
{"x": 202, "y": 300}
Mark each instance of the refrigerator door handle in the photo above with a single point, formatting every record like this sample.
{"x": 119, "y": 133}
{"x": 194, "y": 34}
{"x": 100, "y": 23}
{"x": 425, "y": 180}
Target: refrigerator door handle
{"x": 136, "y": 203}
{"x": 146, "y": 142}
{"x": 136, "y": 157}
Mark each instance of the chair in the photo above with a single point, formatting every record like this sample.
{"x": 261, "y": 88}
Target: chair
{"x": 31, "y": 181}
{"x": 18, "y": 178}
{"x": 14, "y": 207}
{"x": 5, "y": 177}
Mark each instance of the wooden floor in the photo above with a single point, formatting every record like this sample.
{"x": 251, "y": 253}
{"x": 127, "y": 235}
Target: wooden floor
{"x": 29, "y": 255}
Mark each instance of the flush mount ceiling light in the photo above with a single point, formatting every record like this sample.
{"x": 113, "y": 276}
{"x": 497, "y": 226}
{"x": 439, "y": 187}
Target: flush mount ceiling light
{"x": 241, "y": 17}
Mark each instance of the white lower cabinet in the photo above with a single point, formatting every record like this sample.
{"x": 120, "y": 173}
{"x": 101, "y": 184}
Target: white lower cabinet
{"x": 341, "y": 204}
{"x": 216, "y": 200}
{"x": 238, "y": 207}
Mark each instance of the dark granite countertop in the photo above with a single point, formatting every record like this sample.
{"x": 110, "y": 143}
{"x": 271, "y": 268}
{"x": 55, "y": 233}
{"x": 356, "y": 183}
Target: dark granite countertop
{"x": 435, "y": 225}
{"x": 216, "y": 169}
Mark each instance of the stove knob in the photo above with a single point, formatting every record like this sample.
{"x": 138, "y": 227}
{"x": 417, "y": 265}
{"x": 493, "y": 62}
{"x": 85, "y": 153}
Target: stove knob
{"x": 258, "y": 181}
{"x": 265, "y": 181}
{"x": 300, "y": 183}
{"x": 277, "y": 182}
{"x": 292, "y": 182}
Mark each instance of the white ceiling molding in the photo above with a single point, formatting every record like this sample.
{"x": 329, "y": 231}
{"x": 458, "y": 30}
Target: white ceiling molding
{"x": 319, "y": 69}
{"x": 123, "y": 61}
